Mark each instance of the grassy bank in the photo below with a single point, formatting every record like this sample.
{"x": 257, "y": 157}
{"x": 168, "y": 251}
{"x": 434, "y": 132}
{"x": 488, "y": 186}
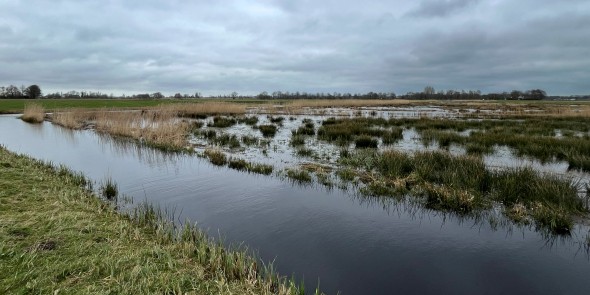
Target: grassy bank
{"x": 56, "y": 236}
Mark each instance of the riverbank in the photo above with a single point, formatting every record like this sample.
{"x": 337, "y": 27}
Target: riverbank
{"x": 55, "y": 235}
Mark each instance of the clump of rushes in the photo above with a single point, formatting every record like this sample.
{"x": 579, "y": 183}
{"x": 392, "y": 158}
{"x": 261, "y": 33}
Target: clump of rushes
{"x": 223, "y": 122}
{"x": 364, "y": 141}
{"x": 109, "y": 189}
{"x": 231, "y": 141}
{"x": 216, "y": 157}
{"x": 238, "y": 164}
{"x": 268, "y": 130}
{"x": 392, "y": 136}
{"x": 297, "y": 140}
{"x": 249, "y": 140}
{"x": 308, "y": 128}
{"x": 248, "y": 120}
{"x": 304, "y": 152}
{"x": 33, "y": 113}
{"x": 277, "y": 120}
{"x": 299, "y": 176}
{"x": 260, "y": 168}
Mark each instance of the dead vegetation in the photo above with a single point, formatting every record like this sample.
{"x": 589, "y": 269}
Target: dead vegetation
{"x": 33, "y": 113}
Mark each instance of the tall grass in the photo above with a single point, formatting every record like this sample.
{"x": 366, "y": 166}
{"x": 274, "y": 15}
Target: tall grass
{"x": 33, "y": 113}
{"x": 462, "y": 184}
{"x": 157, "y": 127}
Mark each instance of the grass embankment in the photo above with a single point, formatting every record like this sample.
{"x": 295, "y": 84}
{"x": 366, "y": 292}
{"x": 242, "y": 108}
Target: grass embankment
{"x": 56, "y": 236}
{"x": 463, "y": 185}
{"x": 33, "y": 113}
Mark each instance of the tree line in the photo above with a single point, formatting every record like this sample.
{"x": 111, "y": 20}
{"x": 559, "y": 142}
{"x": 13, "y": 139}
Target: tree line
{"x": 34, "y": 91}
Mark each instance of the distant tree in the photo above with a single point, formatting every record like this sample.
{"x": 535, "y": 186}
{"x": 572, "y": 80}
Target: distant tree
{"x": 429, "y": 90}
{"x": 515, "y": 94}
{"x": 177, "y": 95}
{"x": 157, "y": 95}
{"x": 33, "y": 91}
{"x": 12, "y": 91}
{"x": 537, "y": 94}
{"x": 234, "y": 95}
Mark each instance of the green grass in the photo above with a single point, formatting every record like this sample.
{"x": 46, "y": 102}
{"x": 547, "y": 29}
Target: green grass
{"x": 55, "y": 236}
{"x": 109, "y": 189}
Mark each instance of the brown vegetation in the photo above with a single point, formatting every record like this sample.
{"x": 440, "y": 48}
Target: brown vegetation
{"x": 33, "y": 113}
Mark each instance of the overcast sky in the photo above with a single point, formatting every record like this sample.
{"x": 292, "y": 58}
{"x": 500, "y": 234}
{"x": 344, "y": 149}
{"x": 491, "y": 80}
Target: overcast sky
{"x": 249, "y": 46}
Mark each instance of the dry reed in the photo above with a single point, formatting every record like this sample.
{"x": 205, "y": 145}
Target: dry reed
{"x": 158, "y": 126}
{"x": 33, "y": 113}
{"x": 205, "y": 108}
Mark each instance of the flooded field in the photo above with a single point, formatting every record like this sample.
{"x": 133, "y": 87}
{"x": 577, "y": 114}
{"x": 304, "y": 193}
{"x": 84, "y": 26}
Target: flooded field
{"x": 318, "y": 215}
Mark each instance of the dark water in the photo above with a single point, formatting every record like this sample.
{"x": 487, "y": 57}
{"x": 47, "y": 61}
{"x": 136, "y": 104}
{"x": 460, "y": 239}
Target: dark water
{"x": 350, "y": 244}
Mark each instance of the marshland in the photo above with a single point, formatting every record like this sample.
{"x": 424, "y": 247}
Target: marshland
{"x": 357, "y": 196}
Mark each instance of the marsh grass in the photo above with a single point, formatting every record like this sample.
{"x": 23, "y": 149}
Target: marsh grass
{"x": 159, "y": 127}
{"x": 365, "y": 141}
{"x": 109, "y": 189}
{"x": 200, "y": 109}
{"x": 300, "y": 176}
{"x": 251, "y": 120}
{"x": 216, "y": 157}
{"x": 79, "y": 243}
{"x": 297, "y": 140}
{"x": 33, "y": 113}
{"x": 223, "y": 122}
{"x": 304, "y": 152}
{"x": 249, "y": 140}
{"x": 462, "y": 184}
{"x": 268, "y": 130}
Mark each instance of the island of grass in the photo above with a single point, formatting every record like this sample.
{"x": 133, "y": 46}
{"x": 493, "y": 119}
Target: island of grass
{"x": 55, "y": 235}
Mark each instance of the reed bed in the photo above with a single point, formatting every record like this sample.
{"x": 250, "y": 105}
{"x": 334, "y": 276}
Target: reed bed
{"x": 333, "y": 103}
{"x": 157, "y": 127}
{"x": 33, "y": 113}
{"x": 196, "y": 110}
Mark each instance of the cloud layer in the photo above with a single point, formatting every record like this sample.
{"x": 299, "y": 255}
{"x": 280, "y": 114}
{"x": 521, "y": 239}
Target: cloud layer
{"x": 250, "y": 46}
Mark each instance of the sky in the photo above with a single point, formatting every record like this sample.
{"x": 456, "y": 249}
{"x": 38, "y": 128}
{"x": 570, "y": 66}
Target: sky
{"x": 249, "y": 46}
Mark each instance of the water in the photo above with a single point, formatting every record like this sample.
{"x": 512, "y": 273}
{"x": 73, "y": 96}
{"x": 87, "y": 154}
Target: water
{"x": 351, "y": 244}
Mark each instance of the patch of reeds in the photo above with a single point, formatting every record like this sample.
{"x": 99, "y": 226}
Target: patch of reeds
{"x": 251, "y": 120}
{"x": 276, "y": 120}
{"x": 304, "y": 152}
{"x": 299, "y": 176}
{"x": 216, "y": 157}
{"x": 297, "y": 140}
{"x": 223, "y": 122}
{"x": 200, "y": 109}
{"x": 268, "y": 130}
{"x": 33, "y": 113}
{"x": 249, "y": 140}
{"x": 109, "y": 189}
{"x": 365, "y": 141}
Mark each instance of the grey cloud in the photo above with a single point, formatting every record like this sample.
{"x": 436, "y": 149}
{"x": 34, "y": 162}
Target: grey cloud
{"x": 250, "y": 46}
{"x": 440, "y": 8}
